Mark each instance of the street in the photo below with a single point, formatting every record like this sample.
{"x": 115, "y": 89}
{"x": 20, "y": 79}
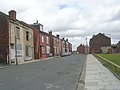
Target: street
{"x": 59, "y": 73}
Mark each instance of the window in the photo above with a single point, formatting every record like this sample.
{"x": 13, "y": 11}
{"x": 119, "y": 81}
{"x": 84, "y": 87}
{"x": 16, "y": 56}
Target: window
{"x": 47, "y": 39}
{"x": 47, "y": 49}
{"x": 27, "y": 36}
{"x": 27, "y": 54}
{"x": 42, "y": 39}
{"x": 28, "y": 51}
{"x": 41, "y": 27}
{"x": 12, "y": 46}
{"x": 17, "y": 32}
{"x": 43, "y": 50}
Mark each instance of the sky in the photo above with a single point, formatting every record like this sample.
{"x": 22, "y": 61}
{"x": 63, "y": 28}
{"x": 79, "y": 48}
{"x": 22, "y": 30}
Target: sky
{"x": 74, "y": 20}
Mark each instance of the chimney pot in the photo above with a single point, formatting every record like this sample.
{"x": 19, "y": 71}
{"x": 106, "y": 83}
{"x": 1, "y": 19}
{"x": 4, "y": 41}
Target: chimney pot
{"x": 66, "y": 40}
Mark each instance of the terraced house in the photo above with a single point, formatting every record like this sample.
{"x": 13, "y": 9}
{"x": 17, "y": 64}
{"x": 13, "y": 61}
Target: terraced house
{"x": 21, "y": 42}
{"x": 16, "y": 39}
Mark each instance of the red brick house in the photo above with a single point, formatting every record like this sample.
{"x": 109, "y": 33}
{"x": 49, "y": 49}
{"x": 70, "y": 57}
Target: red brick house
{"x": 81, "y": 49}
{"x": 63, "y": 46}
{"x": 42, "y": 45}
{"x": 41, "y": 41}
{"x": 47, "y": 39}
{"x": 66, "y": 47}
{"x": 70, "y": 47}
{"x": 36, "y": 34}
{"x": 55, "y": 46}
{"x": 4, "y": 38}
{"x": 98, "y": 41}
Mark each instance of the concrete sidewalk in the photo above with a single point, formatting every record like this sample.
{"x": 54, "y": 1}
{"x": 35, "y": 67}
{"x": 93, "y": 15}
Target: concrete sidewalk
{"x": 99, "y": 77}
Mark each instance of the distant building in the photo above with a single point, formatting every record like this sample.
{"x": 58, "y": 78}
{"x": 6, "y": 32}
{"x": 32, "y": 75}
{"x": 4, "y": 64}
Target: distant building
{"x": 116, "y": 48}
{"x": 81, "y": 49}
{"x": 118, "y": 45}
{"x": 69, "y": 48}
{"x": 100, "y": 44}
{"x": 55, "y": 44}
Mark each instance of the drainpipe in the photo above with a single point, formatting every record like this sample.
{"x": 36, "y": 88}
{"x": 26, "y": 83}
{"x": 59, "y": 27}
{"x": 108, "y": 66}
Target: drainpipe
{"x": 15, "y": 45}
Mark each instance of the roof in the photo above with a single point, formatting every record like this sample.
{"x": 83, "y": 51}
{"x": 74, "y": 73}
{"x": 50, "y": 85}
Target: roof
{"x": 99, "y": 35}
{"x": 21, "y": 22}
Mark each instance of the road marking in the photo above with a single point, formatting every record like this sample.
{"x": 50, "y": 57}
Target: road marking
{"x": 48, "y": 86}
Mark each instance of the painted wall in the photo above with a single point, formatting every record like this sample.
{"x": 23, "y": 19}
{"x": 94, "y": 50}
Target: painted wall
{"x": 19, "y": 47}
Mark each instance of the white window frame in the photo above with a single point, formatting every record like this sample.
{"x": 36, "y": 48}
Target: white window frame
{"x": 47, "y": 39}
{"x": 42, "y": 39}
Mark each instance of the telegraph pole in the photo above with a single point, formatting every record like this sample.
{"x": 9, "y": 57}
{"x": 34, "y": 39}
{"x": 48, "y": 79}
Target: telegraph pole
{"x": 86, "y": 46}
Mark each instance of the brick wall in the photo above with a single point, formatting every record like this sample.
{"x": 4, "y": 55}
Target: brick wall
{"x": 81, "y": 49}
{"x": 51, "y": 43}
{"x": 98, "y": 41}
{"x": 4, "y": 38}
{"x": 36, "y": 35}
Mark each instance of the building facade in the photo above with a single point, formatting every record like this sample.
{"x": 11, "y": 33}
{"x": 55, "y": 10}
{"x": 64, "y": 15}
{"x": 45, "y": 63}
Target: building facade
{"x": 81, "y": 49}
{"x": 18, "y": 44}
{"x": 36, "y": 34}
{"x": 98, "y": 41}
{"x": 21, "y": 42}
{"x": 116, "y": 48}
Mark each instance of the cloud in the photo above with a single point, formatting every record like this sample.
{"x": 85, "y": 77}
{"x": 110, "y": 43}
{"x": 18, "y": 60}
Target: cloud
{"x": 116, "y": 15}
{"x": 72, "y": 19}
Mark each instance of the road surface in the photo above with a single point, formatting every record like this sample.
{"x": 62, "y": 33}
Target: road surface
{"x": 59, "y": 73}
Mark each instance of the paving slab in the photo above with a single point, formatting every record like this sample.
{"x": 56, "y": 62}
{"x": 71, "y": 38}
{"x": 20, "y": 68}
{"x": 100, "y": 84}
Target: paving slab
{"x": 99, "y": 77}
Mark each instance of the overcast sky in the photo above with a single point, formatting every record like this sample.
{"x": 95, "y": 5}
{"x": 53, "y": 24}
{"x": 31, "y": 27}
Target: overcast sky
{"x": 72, "y": 19}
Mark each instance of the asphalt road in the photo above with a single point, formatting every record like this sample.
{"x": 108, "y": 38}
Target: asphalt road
{"x": 59, "y": 73}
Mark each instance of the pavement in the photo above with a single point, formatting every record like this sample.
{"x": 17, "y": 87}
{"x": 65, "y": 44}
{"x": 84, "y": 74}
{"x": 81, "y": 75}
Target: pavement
{"x": 99, "y": 77}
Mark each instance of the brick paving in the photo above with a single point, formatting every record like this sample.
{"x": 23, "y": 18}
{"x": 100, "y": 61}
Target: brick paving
{"x": 99, "y": 77}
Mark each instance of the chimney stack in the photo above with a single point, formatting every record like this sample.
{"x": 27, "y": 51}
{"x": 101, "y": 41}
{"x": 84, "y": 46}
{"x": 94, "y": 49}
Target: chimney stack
{"x": 12, "y": 14}
{"x": 67, "y": 40}
{"x": 50, "y": 32}
{"x": 57, "y": 36}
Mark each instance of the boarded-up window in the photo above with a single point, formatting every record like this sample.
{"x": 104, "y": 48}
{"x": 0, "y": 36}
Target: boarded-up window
{"x": 17, "y": 32}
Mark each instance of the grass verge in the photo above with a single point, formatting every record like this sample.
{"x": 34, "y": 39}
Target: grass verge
{"x": 111, "y": 61}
